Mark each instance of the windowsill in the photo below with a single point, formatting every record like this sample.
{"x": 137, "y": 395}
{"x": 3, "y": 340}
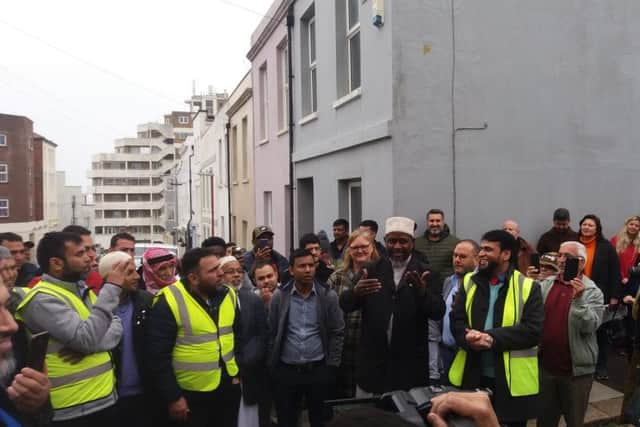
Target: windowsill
{"x": 264, "y": 141}
{"x": 353, "y": 95}
{"x": 308, "y": 118}
{"x": 283, "y": 132}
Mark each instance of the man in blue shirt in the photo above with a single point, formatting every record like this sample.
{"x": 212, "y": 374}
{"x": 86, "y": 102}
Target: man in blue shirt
{"x": 465, "y": 260}
{"x": 307, "y": 331}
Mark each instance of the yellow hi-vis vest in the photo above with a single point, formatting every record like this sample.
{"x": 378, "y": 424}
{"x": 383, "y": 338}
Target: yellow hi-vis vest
{"x": 200, "y": 343}
{"x": 520, "y": 366}
{"x": 20, "y": 291}
{"x": 92, "y": 378}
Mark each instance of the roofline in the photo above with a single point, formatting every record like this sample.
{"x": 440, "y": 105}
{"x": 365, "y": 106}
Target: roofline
{"x": 269, "y": 28}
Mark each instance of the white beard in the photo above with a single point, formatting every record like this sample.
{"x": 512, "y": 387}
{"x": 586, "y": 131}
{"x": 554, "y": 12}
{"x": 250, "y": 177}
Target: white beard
{"x": 7, "y": 368}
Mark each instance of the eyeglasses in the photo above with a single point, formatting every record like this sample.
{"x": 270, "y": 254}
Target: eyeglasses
{"x": 567, "y": 256}
{"x": 239, "y": 271}
{"x": 359, "y": 248}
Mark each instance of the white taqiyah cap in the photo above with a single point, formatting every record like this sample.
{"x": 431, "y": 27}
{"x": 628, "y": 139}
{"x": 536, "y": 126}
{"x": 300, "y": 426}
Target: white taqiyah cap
{"x": 399, "y": 224}
{"x": 108, "y": 261}
{"x": 226, "y": 260}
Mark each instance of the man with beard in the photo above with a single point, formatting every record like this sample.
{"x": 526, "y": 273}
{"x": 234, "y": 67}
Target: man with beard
{"x": 497, "y": 323}
{"x": 192, "y": 343}
{"x": 82, "y": 327}
{"x": 8, "y": 268}
{"x": 397, "y": 298}
{"x": 560, "y": 232}
{"x": 26, "y": 270}
{"x": 23, "y": 397}
{"x": 340, "y": 236}
{"x": 93, "y": 279}
{"x": 437, "y": 243}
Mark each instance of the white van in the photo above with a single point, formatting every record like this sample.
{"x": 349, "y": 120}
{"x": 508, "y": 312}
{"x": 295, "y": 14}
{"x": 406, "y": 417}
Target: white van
{"x": 141, "y": 248}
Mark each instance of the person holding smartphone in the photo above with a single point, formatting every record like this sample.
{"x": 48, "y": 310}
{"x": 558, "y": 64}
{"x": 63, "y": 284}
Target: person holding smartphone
{"x": 568, "y": 350}
{"x": 262, "y": 239}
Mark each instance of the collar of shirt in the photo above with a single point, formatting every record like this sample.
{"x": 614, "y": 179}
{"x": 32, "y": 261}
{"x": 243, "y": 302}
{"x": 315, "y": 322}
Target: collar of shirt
{"x": 294, "y": 291}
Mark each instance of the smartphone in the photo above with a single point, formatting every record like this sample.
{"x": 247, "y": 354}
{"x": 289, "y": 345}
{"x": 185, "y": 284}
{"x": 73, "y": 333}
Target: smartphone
{"x": 263, "y": 243}
{"x": 534, "y": 261}
{"x": 570, "y": 269}
{"x": 38, "y": 351}
{"x": 369, "y": 266}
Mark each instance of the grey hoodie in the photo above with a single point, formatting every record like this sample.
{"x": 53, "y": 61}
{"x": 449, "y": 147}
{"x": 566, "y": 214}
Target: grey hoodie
{"x": 101, "y": 331}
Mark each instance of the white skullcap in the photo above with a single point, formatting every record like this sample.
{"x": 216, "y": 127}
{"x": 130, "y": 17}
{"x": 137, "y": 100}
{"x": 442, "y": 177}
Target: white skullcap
{"x": 109, "y": 260}
{"x": 399, "y": 224}
{"x": 226, "y": 260}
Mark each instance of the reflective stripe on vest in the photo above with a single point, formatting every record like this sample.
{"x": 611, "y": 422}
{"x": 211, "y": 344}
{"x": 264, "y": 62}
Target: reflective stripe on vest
{"x": 90, "y": 379}
{"x": 200, "y": 343}
{"x": 520, "y": 366}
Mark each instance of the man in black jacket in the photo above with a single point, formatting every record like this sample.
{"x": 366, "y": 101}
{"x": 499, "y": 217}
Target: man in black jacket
{"x": 397, "y": 297}
{"x": 133, "y": 403}
{"x": 498, "y": 331}
{"x": 305, "y": 343}
{"x": 256, "y": 396}
{"x": 196, "y": 384}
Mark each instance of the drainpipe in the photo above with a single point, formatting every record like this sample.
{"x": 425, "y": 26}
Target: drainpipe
{"x": 189, "y": 233}
{"x": 228, "y": 127}
{"x": 290, "y": 22}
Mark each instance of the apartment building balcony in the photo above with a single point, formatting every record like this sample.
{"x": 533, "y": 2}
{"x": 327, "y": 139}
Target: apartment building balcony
{"x": 106, "y": 205}
{"x": 154, "y": 156}
{"x": 130, "y": 222}
{"x": 124, "y": 189}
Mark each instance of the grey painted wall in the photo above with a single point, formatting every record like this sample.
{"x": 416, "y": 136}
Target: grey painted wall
{"x": 557, "y": 82}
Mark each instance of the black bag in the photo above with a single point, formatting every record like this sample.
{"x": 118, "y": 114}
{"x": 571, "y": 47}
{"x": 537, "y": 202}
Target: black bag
{"x": 615, "y": 328}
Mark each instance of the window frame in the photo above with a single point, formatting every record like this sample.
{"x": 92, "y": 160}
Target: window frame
{"x": 313, "y": 65}
{"x": 283, "y": 85}
{"x": 263, "y": 75}
{"x": 183, "y": 120}
{"x": 5, "y": 201}
{"x": 3, "y": 139}
{"x": 5, "y": 173}
{"x": 351, "y": 33}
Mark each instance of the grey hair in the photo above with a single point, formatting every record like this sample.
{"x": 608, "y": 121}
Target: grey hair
{"x": 580, "y": 248}
{"x": 4, "y": 253}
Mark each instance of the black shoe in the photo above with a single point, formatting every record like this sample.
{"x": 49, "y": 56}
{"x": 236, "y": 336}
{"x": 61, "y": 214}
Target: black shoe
{"x": 602, "y": 376}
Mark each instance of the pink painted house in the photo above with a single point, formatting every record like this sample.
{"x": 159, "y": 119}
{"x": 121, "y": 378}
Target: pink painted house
{"x": 268, "y": 56}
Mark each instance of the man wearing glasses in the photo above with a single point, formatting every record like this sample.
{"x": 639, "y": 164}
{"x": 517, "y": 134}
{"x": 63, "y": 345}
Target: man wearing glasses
{"x": 26, "y": 270}
{"x": 568, "y": 349}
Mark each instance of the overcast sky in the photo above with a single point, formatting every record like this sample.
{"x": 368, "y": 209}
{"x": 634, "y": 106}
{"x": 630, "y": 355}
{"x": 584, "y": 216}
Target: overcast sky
{"x": 158, "y": 48}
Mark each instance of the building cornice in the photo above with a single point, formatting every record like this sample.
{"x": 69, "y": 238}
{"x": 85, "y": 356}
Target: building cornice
{"x": 244, "y": 97}
{"x": 270, "y": 27}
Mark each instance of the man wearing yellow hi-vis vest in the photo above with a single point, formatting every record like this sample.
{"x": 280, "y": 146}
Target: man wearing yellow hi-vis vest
{"x": 192, "y": 344}
{"x": 497, "y": 322}
{"x": 82, "y": 331}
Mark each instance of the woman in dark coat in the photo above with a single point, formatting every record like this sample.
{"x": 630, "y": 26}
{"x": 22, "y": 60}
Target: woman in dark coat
{"x": 603, "y": 267}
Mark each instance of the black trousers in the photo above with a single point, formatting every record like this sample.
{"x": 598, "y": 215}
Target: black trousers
{"x": 134, "y": 411}
{"x": 292, "y": 383}
{"x": 219, "y": 407}
{"x": 104, "y": 418}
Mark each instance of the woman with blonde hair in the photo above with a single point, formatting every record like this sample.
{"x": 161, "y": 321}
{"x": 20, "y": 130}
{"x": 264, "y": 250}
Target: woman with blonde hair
{"x": 359, "y": 250}
{"x": 627, "y": 244}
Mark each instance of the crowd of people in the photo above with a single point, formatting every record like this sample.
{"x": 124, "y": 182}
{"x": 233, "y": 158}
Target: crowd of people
{"x": 233, "y": 337}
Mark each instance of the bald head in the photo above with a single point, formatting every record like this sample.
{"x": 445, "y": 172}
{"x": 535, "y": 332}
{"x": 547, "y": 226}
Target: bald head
{"x": 511, "y": 227}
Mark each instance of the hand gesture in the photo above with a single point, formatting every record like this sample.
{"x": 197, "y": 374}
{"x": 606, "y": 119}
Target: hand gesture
{"x": 366, "y": 286}
{"x": 266, "y": 295}
{"x": 29, "y": 390}
{"x": 476, "y": 406}
{"x": 478, "y": 340}
{"x": 533, "y": 273}
{"x": 578, "y": 287}
{"x": 263, "y": 253}
{"x": 71, "y": 356}
{"x": 417, "y": 280}
{"x": 118, "y": 273}
{"x": 179, "y": 410}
